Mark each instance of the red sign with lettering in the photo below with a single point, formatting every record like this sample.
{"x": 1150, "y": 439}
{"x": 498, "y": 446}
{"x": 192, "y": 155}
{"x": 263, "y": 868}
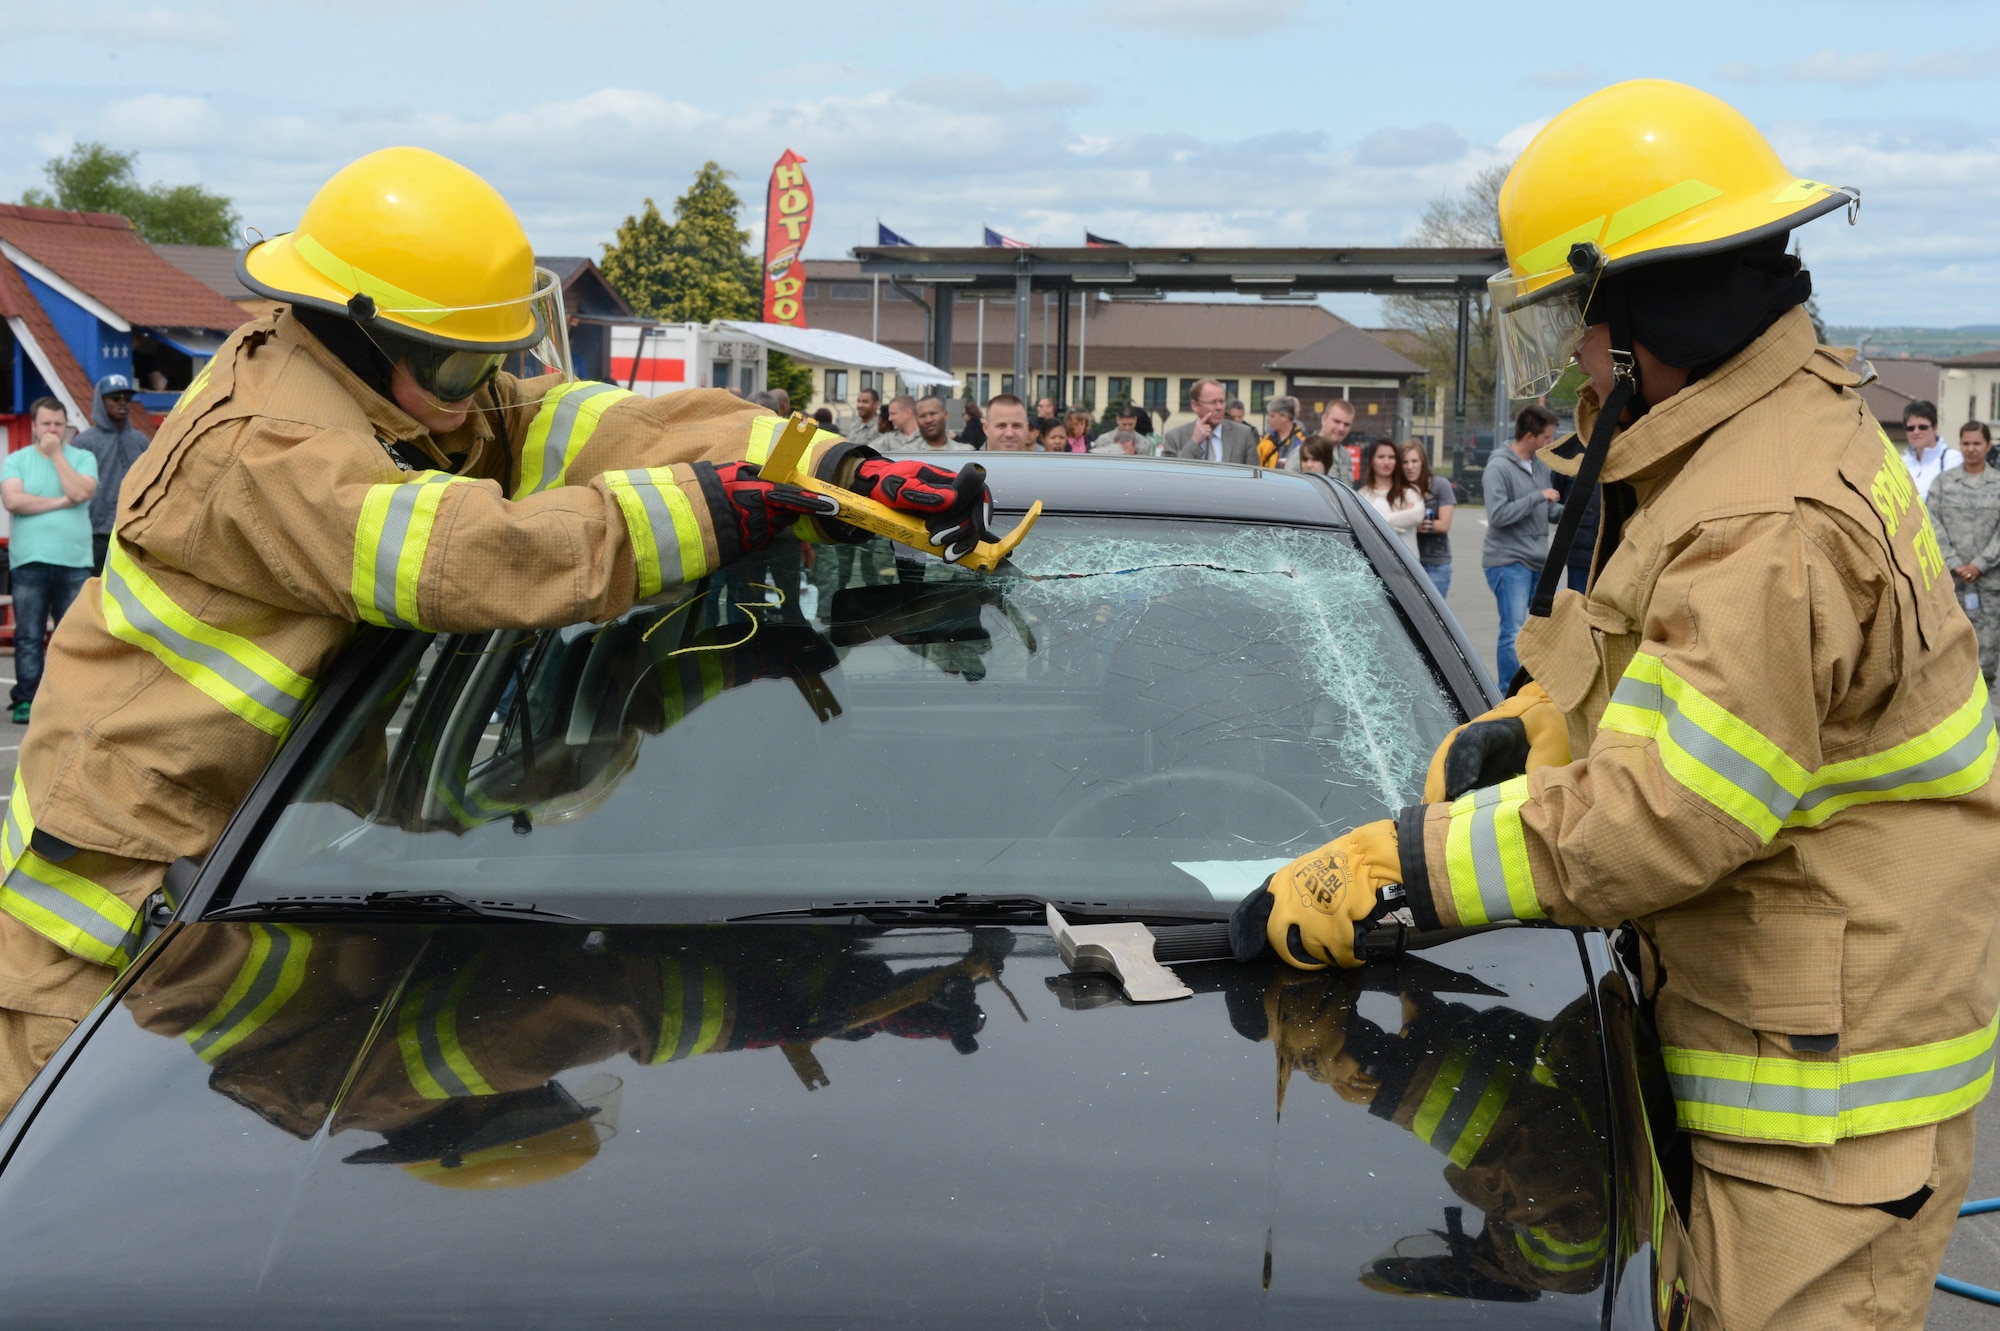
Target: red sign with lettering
{"x": 788, "y": 218}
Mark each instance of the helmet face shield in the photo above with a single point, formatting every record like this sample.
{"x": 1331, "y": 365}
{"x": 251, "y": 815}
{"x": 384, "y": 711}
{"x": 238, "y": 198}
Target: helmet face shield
{"x": 450, "y": 372}
{"x": 1539, "y": 321}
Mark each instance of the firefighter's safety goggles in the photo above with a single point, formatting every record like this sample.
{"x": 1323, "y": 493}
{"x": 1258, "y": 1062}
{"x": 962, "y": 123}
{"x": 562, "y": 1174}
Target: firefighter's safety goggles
{"x": 452, "y": 371}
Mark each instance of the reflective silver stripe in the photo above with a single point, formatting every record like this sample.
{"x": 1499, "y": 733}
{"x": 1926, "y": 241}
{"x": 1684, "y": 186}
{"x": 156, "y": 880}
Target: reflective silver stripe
{"x": 666, "y": 533}
{"x": 691, "y": 1010}
{"x": 1828, "y": 1102}
{"x": 220, "y": 663}
{"x": 555, "y": 450}
{"x": 389, "y": 545}
{"x": 1489, "y": 873}
{"x": 436, "y": 998}
{"x": 1741, "y": 772}
{"x": 262, "y": 985}
{"x": 111, "y": 937}
{"x": 1953, "y": 760}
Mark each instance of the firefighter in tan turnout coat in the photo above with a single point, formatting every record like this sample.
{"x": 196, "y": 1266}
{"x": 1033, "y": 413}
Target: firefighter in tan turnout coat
{"x": 357, "y": 457}
{"x": 1761, "y": 739}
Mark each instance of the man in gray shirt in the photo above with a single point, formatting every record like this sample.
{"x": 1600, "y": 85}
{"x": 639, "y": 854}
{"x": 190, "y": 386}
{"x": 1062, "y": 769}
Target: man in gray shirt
{"x": 933, "y": 431}
{"x": 1521, "y": 502}
{"x": 116, "y": 445}
{"x": 1210, "y": 436}
{"x": 868, "y": 421}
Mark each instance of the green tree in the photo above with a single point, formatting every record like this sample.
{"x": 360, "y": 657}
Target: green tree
{"x": 92, "y": 178}
{"x": 697, "y": 267}
{"x": 1468, "y": 218}
{"x": 781, "y": 371}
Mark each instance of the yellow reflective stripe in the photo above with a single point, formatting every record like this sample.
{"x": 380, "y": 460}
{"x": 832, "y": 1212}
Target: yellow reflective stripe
{"x": 694, "y": 999}
{"x": 1443, "y": 1084}
{"x": 268, "y": 978}
{"x": 568, "y": 417}
{"x": 1486, "y": 856}
{"x": 18, "y": 827}
{"x": 1816, "y": 1103}
{"x": 1542, "y": 1248}
{"x": 391, "y": 298}
{"x": 391, "y": 539}
{"x": 195, "y": 385}
{"x": 1554, "y": 252}
{"x": 427, "y": 1037}
{"x": 1952, "y": 758}
{"x": 1726, "y": 762}
{"x": 666, "y": 539}
{"x": 232, "y": 670}
{"x": 1654, "y": 209}
{"x": 69, "y": 910}
{"x": 697, "y": 677}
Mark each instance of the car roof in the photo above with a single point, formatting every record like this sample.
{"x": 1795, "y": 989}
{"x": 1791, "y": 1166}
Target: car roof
{"x": 1156, "y": 487}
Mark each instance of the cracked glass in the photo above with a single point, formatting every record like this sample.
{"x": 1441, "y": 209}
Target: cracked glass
{"x": 1132, "y": 710}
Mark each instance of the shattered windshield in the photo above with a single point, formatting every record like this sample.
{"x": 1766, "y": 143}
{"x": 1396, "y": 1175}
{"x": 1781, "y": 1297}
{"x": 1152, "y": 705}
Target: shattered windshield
{"x": 1132, "y": 710}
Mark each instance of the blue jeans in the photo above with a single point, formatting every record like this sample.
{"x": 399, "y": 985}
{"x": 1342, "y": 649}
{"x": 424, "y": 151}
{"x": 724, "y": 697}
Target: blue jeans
{"x": 1440, "y": 577}
{"x": 1513, "y": 585}
{"x": 41, "y": 592}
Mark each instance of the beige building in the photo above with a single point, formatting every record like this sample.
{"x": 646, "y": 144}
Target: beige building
{"x": 1968, "y": 390}
{"x": 1149, "y": 351}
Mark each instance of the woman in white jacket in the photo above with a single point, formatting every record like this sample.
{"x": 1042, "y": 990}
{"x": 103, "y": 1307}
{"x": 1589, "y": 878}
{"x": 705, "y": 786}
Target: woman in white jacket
{"x": 1391, "y": 493}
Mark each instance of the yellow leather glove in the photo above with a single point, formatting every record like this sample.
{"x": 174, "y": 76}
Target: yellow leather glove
{"x": 1306, "y": 1021}
{"x": 1309, "y": 908}
{"x": 1522, "y": 734}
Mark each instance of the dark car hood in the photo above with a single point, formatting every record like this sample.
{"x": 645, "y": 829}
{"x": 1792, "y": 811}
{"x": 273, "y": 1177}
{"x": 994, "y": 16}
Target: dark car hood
{"x": 843, "y": 1129}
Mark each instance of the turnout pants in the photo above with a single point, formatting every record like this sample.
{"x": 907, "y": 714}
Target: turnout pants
{"x": 44, "y": 990}
{"x": 1779, "y": 1259}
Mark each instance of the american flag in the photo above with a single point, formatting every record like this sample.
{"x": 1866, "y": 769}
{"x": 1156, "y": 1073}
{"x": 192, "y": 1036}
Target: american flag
{"x": 994, "y": 238}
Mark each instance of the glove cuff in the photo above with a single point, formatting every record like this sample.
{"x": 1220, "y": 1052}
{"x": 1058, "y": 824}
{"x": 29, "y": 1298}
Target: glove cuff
{"x": 836, "y": 466}
{"x": 1416, "y": 868}
{"x": 722, "y": 517}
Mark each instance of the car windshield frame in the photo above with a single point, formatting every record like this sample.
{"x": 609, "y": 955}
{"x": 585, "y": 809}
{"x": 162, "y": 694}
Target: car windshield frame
{"x": 1424, "y": 629}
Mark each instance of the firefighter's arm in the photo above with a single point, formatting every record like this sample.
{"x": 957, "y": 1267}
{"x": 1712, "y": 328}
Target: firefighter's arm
{"x": 1710, "y": 745}
{"x": 322, "y": 521}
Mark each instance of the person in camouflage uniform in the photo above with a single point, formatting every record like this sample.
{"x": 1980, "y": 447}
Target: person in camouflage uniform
{"x": 1965, "y": 508}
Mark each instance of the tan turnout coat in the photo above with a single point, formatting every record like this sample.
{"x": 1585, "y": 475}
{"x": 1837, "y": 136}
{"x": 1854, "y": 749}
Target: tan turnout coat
{"x": 268, "y": 518}
{"x": 1783, "y": 775}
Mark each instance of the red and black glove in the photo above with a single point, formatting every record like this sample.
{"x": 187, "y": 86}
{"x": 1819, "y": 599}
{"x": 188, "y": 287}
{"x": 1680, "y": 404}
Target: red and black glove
{"x": 957, "y": 510}
{"x": 749, "y": 511}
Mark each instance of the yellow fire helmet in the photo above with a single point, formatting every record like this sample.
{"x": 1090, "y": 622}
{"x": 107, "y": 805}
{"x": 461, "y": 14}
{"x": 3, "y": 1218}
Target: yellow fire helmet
{"x": 425, "y": 256}
{"x": 548, "y": 1155}
{"x": 1641, "y": 172}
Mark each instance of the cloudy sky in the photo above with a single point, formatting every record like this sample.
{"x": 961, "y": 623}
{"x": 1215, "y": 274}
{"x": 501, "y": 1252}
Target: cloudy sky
{"x": 1315, "y": 122}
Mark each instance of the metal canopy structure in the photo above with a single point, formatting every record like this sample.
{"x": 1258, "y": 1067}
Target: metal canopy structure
{"x": 1273, "y": 273}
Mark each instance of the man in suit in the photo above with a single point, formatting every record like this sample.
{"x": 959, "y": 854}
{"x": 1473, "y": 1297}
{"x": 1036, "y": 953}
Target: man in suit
{"x": 1211, "y": 436}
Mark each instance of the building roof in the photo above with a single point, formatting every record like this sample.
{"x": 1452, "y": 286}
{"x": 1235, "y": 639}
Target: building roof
{"x": 1347, "y": 350}
{"x": 1236, "y": 338}
{"x": 101, "y": 255}
{"x": 1978, "y": 360}
{"x": 214, "y": 266}
{"x": 586, "y": 290}
{"x": 46, "y": 349}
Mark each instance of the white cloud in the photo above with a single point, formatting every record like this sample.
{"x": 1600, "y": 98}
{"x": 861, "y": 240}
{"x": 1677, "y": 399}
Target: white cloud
{"x": 1208, "y": 18}
{"x": 1861, "y": 69}
{"x": 1739, "y": 71}
{"x": 1578, "y": 75}
{"x": 155, "y": 25}
{"x": 1514, "y": 140}
{"x": 1426, "y": 145}
{"x": 158, "y": 120}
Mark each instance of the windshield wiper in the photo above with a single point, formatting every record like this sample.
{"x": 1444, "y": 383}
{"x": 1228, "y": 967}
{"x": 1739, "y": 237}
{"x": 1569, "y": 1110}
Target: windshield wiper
{"x": 428, "y": 901}
{"x": 977, "y": 908}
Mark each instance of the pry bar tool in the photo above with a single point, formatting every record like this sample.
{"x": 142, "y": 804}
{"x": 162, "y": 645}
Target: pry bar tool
{"x": 782, "y": 468}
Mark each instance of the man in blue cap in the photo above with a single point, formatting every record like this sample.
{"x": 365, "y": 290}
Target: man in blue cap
{"x": 116, "y": 444}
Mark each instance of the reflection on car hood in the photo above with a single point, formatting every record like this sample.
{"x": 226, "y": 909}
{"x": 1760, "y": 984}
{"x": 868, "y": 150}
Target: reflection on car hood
{"x": 536, "y": 1125}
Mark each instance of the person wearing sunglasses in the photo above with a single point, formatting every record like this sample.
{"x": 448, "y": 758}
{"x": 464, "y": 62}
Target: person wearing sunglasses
{"x": 1926, "y": 455}
{"x": 401, "y": 443}
{"x": 116, "y": 444}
